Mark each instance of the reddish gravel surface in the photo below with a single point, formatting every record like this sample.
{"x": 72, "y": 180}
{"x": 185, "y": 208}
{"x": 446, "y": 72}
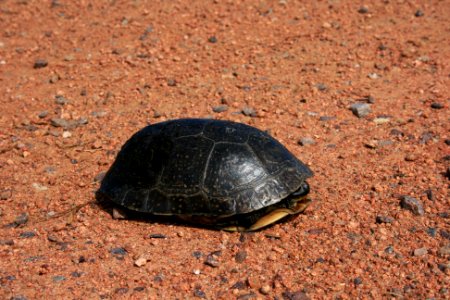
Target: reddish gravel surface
{"x": 77, "y": 80}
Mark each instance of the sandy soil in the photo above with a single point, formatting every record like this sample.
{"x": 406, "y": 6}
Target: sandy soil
{"x": 77, "y": 80}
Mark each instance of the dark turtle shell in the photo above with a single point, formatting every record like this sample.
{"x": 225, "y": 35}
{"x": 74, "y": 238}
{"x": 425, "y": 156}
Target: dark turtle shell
{"x": 202, "y": 168}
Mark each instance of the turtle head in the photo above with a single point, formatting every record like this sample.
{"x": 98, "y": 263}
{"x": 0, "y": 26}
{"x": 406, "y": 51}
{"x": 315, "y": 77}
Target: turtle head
{"x": 298, "y": 200}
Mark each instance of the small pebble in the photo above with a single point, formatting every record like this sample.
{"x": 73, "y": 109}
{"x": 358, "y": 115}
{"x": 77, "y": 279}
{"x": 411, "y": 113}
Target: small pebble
{"x": 389, "y": 250}
{"x": 121, "y": 291}
{"x": 363, "y": 10}
{"x": 199, "y": 293}
{"x": 412, "y": 204}
{"x": 384, "y": 219}
{"x": 27, "y": 234}
{"x": 357, "y": 281}
{"x": 249, "y": 112}
{"x": 305, "y": 141}
{"x": 141, "y": 261}
{"x": 212, "y": 39}
{"x": 171, "y": 82}
{"x": 447, "y": 142}
{"x": 444, "y": 250}
{"x": 119, "y": 214}
{"x": 6, "y": 242}
{"x": 327, "y": 118}
{"x": 118, "y": 251}
{"x": 196, "y": 272}
{"x": 431, "y": 231}
{"x": 437, "y": 105}
{"x": 220, "y": 108}
{"x": 139, "y": 288}
{"x": 76, "y": 274}
{"x": 99, "y": 177}
{"x": 321, "y": 87}
{"x": 211, "y": 261}
{"x": 58, "y": 278}
{"x": 240, "y": 256}
{"x": 40, "y": 63}
{"x": 197, "y": 254}
{"x": 239, "y": 285}
{"x": 430, "y": 195}
{"x": 265, "y": 289}
{"x": 157, "y": 236}
{"x": 18, "y": 297}
{"x": 299, "y": 295}
{"x": 420, "y": 252}
{"x": 5, "y": 194}
{"x": 43, "y": 114}
{"x": 61, "y": 100}
{"x": 419, "y": 13}
{"x": 360, "y": 109}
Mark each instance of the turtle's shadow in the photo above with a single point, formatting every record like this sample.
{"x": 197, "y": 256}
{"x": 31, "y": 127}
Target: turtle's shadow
{"x": 131, "y": 215}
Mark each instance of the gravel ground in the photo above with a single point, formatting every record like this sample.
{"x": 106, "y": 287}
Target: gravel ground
{"x": 358, "y": 92}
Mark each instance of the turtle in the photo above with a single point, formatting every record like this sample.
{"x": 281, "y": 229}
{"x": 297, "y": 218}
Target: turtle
{"x": 223, "y": 174}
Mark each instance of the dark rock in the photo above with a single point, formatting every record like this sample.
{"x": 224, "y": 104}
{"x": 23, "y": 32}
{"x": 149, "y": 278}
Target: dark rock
{"x": 171, "y": 82}
{"x": 246, "y": 296}
{"x": 18, "y": 297}
{"x": 299, "y": 295}
{"x": 431, "y": 231}
{"x": 20, "y": 220}
{"x": 444, "y": 215}
{"x": 157, "y": 236}
{"x": 27, "y": 234}
{"x": 396, "y": 132}
{"x": 437, "y": 105}
{"x": 57, "y": 122}
{"x": 357, "y": 281}
{"x": 139, "y": 289}
{"x": 197, "y": 254}
{"x": 429, "y": 194}
{"x": 121, "y": 291}
{"x": 240, "y": 285}
{"x": 211, "y": 261}
{"x": 363, "y": 10}
{"x": 6, "y": 242}
{"x": 445, "y": 234}
{"x": 384, "y": 219}
{"x": 389, "y": 250}
{"x": 43, "y": 114}
{"x": 61, "y": 100}
{"x": 212, "y": 39}
{"x": 118, "y": 251}
{"x": 199, "y": 293}
{"x": 412, "y": 204}
{"x": 240, "y": 256}
{"x": 444, "y": 267}
{"x": 76, "y": 274}
{"x": 327, "y": 118}
{"x": 220, "y": 108}
{"x": 419, "y": 13}
{"x": 360, "y": 109}
{"x": 40, "y": 63}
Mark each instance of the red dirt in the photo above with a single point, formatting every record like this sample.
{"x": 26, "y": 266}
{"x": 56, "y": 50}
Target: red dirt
{"x": 112, "y": 68}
